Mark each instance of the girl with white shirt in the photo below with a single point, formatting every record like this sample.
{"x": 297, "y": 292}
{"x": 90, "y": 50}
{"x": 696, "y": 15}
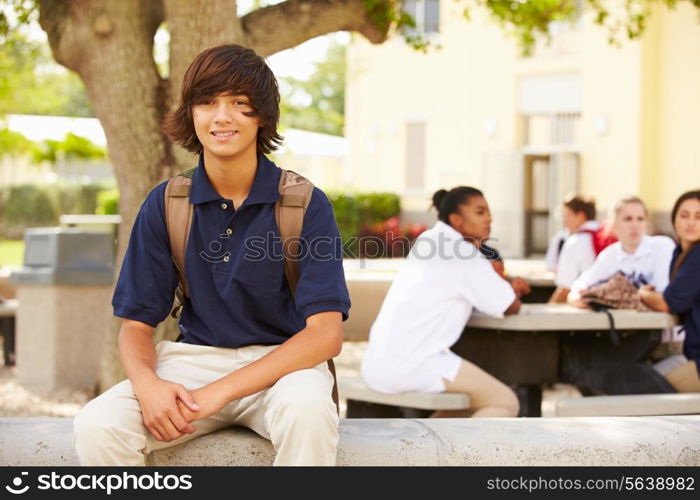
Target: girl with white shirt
{"x": 444, "y": 278}
{"x": 643, "y": 259}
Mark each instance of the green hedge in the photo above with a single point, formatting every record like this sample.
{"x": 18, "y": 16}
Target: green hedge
{"x": 32, "y": 205}
{"x": 357, "y": 211}
{"x": 108, "y": 202}
{"x": 35, "y": 206}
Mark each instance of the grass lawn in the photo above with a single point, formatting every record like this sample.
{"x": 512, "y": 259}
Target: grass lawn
{"x": 11, "y": 252}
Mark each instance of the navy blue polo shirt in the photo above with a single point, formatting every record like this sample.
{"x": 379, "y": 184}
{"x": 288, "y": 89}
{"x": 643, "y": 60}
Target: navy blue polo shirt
{"x": 238, "y": 293}
{"x": 683, "y": 298}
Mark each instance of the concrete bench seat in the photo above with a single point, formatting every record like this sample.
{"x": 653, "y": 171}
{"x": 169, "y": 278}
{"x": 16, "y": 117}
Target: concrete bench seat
{"x": 612, "y": 441}
{"x": 356, "y": 389}
{"x": 630, "y": 405}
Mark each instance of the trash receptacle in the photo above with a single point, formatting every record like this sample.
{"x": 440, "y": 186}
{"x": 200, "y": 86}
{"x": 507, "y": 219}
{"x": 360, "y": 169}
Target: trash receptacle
{"x": 64, "y": 292}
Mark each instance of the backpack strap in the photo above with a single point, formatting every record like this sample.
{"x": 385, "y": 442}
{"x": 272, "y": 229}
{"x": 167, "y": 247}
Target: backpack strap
{"x": 178, "y": 218}
{"x": 295, "y": 196}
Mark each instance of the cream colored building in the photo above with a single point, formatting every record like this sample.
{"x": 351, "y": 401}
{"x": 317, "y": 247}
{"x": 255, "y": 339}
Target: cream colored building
{"x": 580, "y": 115}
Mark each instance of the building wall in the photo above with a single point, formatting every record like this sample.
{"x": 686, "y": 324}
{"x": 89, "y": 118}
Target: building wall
{"x": 639, "y": 112}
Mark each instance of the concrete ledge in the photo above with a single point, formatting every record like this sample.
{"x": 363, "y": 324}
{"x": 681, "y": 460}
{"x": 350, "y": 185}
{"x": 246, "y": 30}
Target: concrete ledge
{"x": 630, "y": 405}
{"x": 628, "y": 441}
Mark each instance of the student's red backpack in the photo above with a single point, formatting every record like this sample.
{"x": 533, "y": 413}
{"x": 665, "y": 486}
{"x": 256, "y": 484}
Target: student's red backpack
{"x": 601, "y": 237}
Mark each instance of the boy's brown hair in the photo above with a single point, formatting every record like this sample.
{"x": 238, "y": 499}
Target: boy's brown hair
{"x": 233, "y": 69}
{"x": 577, "y": 203}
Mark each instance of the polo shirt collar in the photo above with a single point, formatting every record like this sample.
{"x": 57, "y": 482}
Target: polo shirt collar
{"x": 592, "y": 225}
{"x": 643, "y": 248}
{"x": 265, "y": 187}
{"x": 441, "y": 227}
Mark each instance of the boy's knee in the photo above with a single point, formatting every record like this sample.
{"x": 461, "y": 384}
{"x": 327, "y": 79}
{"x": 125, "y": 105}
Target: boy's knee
{"x": 89, "y": 424}
{"x": 300, "y": 410}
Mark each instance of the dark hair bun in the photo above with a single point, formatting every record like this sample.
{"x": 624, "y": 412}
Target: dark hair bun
{"x": 438, "y": 197}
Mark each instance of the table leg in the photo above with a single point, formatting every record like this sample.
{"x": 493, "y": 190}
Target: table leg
{"x": 7, "y": 330}
{"x": 530, "y": 398}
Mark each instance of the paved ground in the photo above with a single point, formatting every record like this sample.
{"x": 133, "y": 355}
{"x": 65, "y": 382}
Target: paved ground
{"x": 18, "y": 401}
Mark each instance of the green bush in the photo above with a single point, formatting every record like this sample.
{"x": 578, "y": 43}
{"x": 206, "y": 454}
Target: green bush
{"x": 34, "y": 205}
{"x": 71, "y": 147}
{"x": 78, "y": 199}
{"x": 107, "y": 202}
{"x": 15, "y": 143}
{"x": 354, "y": 212}
{"x": 26, "y": 206}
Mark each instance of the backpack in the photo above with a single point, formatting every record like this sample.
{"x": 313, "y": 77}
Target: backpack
{"x": 601, "y": 238}
{"x": 295, "y": 195}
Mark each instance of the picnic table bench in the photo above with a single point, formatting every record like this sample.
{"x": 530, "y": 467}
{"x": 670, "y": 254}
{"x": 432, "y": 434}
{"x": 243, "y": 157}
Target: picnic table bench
{"x": 363, "y": 401}
{"x": 629, "y": 405}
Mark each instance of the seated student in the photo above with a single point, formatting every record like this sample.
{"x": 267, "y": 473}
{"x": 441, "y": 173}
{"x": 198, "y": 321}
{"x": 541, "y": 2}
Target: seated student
{"x": 577, "y": 254}
{"x": 644, "y": 259}
{"x": 682, "y": 295}
{"x": 444, "y": 278}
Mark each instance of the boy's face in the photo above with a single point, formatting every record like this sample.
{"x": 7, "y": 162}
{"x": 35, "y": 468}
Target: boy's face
{"x": 573, "y": 220}
{"x": 223, "y": 128}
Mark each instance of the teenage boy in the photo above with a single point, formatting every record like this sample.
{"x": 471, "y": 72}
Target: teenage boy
{"x": 252, "y": 352}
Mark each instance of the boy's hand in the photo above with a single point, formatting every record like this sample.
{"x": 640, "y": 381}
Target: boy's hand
{"x": 209, "y": 400}
{"x": 159, "y": 408}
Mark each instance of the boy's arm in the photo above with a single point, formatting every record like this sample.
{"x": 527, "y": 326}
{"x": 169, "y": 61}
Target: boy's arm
{"x": 320, "y": 340}
{"x": 156, "y": 396}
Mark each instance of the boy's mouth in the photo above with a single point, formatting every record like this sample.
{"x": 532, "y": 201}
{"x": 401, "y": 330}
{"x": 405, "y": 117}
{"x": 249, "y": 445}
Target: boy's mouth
{"x": 223, "y": 133}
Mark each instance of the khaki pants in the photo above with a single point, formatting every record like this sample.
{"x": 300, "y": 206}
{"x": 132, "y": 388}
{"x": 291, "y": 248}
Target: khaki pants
{"x": 684, "y": 378}
{"x": 297, "y": 413}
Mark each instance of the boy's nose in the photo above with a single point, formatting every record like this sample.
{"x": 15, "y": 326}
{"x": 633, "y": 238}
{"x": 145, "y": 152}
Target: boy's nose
{"x": 222, "y": 114}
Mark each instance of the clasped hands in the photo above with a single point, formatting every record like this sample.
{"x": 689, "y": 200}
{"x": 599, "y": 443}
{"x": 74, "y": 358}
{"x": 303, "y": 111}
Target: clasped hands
{"x": 168, "y": 408}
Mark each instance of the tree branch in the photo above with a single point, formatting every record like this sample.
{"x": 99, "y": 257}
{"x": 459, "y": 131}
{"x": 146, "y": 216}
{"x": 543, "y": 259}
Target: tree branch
{"x": 71, "y": 25}
{"x": 271, "y": 29}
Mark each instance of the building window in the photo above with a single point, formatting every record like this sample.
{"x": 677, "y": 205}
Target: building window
{"x": 551, "y": 129}
{"x": 426, "y": 14}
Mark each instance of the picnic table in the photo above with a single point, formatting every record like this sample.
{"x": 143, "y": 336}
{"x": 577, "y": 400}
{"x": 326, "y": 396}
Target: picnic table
{"x": 550, "y": 343}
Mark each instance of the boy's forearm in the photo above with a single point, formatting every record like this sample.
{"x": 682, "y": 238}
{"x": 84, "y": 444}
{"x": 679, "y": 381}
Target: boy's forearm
{"x": 308, "y": 348}
{"x": 137, "y": 352}
{"x": 559, "y": 295}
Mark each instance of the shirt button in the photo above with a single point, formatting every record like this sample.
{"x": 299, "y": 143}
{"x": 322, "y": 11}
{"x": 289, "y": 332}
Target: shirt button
{"x": 226, "y": 259}
{"x": 229, "y": 231}
{"x": 224, "y": 206}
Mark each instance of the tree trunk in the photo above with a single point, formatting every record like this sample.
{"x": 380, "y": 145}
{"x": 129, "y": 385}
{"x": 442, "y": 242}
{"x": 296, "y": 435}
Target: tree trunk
{"x": 110, "y": 45}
